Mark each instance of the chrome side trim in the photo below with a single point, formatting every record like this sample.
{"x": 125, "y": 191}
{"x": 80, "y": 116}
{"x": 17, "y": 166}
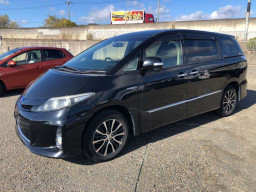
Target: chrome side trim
{"x": 22, "y": 135}
{"x": 131, "y": 88}
{"x": 166, "y": 106}
{"x": 205, "y": 95}
{"x": 158, "y": 64}
{"x": 182, "y": 102}
{"x": 182, "y": 75}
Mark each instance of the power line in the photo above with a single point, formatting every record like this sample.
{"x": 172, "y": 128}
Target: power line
{"x": 32, "y": 7}
{"x": 31, "y": 22}
{"x": 68, "y": 2}
{"x": 59, "y": 4}
{"x": 98, "y": 2}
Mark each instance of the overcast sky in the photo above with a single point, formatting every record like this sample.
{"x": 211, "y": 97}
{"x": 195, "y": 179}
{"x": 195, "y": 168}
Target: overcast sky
{"x": 31, "y": 13}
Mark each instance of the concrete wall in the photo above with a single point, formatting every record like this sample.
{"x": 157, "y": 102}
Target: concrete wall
{"x": 98, "y": 32}
{"x": 74, "y": 46}
{"x": 77, "y": 39}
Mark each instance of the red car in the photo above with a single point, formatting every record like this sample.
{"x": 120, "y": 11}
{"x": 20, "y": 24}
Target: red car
{"x": 20, "y": 66}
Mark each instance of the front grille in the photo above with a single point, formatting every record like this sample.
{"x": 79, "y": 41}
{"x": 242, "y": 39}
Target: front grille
{"x": 28, "y": 107}
{"x": 25, "y": 132}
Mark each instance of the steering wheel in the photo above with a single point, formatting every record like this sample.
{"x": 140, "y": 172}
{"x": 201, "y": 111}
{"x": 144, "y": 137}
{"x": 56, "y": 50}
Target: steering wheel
{"x": 110, "y": 59}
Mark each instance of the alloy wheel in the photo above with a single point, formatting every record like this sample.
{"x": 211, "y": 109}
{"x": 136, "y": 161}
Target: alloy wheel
{"x": 229, "y": 101}
{"x": 108, "y": 137}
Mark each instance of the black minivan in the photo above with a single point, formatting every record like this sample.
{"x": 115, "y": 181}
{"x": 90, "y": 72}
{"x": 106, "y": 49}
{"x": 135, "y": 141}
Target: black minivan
{"x": 127, "y": 85}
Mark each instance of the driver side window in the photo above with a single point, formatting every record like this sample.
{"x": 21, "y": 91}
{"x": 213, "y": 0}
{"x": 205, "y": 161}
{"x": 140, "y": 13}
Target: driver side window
{"x": 132, "y": 65}
{"x": 169, "y": 51}
{"x": 21, "y": 59}
{"x": 28, "y": 57}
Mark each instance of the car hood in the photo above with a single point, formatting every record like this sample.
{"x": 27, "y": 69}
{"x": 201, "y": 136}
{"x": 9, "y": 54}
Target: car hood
{"x": 56, "y": 83}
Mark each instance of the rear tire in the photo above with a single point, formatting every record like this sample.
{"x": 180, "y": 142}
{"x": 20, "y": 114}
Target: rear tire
{"x": 228, "y": 102}
{"x": 105, "y": 136}
{"x": 1, "y": 89}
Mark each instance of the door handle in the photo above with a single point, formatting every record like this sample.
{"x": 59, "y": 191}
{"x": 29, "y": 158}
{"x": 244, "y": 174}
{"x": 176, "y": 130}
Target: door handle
{"x": 39, "y": 66}
{"x": 194, "y": 72}
{"x": 181, "y": 75}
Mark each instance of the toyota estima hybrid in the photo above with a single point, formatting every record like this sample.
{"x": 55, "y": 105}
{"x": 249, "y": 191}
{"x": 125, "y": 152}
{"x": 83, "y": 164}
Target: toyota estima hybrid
{"x": 127, "y": 85}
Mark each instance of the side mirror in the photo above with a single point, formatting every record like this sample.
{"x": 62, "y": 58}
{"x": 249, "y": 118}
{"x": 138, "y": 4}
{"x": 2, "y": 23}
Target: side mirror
{"x": 12, "y": 63}
{"x": 152, "y": 63}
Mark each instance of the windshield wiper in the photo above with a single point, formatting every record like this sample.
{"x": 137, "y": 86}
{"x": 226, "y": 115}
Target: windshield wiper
{"x": 67, "y": 67}
{"x": 92, "y": 71}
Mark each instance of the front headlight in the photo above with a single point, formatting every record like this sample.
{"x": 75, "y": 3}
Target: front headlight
{"x": 57, "y": 103}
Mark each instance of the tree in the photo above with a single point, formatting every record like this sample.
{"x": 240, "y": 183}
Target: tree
{"x": 251, "y": 44}
{"x": 6, "y": 23}
{"x": 54, "y": 21}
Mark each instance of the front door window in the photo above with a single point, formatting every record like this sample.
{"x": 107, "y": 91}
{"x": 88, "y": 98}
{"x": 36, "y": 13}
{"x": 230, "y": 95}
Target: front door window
{"x": 169, "y": 51}
{"x": 33, "y": 56}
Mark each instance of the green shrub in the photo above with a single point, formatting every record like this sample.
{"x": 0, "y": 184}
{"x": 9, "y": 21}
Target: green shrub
{"x": 251, "y": 44}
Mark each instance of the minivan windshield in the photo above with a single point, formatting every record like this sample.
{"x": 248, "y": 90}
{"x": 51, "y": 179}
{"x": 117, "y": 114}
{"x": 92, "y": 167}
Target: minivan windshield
{"x": 106, "y": 54}
{"x": 8, "y": 53}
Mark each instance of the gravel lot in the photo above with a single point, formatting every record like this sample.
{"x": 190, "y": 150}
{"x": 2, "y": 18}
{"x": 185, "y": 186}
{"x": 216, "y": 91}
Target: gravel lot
{"x": 203, "y": 153}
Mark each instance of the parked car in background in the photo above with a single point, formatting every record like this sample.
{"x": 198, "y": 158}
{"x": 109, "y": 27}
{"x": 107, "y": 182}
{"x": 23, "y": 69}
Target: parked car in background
{"x": 129, "y": 84}
{"x": 20, "y": 66}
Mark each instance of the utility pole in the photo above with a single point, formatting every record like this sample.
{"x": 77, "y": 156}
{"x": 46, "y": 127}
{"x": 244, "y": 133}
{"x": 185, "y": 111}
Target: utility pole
{"x": 68, "y": 2}
{"x": 158, "y": 10}
{"x": 247, "y": 20}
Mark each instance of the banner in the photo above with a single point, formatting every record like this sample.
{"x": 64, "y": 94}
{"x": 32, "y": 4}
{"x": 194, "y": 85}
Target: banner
{"x": 122, "y": 17}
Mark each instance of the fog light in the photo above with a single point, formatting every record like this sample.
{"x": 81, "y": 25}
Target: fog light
{"x": 59, "y": 138}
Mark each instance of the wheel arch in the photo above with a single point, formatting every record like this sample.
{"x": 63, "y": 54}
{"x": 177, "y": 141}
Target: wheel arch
{"x": 236, "y": 85}
{"x": 2, "y": 83}
{"x": 124, "y": 111}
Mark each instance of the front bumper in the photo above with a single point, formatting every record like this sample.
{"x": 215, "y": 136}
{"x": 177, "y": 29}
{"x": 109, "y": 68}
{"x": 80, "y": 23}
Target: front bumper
{"x": 51, "y": 151}
{"x": 243, "y": 89}
{"x": 38, "y": 132}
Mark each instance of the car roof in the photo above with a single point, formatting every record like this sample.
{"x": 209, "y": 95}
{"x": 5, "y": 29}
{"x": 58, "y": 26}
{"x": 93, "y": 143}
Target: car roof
{"x": 38, "y": 47}
{"x": 150, "y": 33}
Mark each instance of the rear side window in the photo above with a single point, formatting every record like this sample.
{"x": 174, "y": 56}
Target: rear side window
{"x": 201, "y": 50}
{"x": 34, "y": 56}
{"x": 50, "y": 54}
{"x": 230, "y": 47}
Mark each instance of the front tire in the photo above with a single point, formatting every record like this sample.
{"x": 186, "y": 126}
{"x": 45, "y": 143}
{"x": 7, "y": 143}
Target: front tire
{"x": 228, "y": 102}
{"x": 105, "y": 136}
